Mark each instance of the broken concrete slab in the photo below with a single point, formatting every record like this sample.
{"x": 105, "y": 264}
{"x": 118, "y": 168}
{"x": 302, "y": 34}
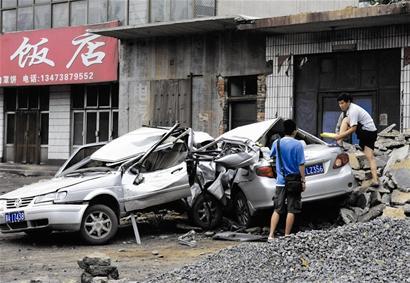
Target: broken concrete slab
{"x": 401, "y": 178}
{"x": 397, "y": 155}
{"x": 107, "y": 271}
{"x": 240, "y": 237}
{"x": 394, "y": 212}
{"x": 400, "y": 198}
{"x": 188, "y": 239}
{"x": 360, "y": 211}
{"x": 348, "y": 216}
{"x": 361, "y": 175}
{"x": 95, "y": 259}
{"x": 387, "y": 129}
{"x": 373, "y": 213}
{"x": 386, "y": 199}
{"x": 354, "y": 161}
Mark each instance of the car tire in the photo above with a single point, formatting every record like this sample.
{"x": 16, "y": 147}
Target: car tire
{"x": 99, "y": 224}
{"x": 206, "y": 211}
{"x": 241, "y": 210}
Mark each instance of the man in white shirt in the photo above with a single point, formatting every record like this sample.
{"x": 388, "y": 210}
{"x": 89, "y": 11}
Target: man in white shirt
{"x": 358, "y": 120}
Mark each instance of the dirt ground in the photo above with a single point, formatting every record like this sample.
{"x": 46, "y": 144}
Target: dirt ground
{"x": 55, "y": 257}
{"x": 23, "y": 258}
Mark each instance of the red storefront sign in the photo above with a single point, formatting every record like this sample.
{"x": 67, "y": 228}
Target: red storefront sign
{"x": 58, "y": 56}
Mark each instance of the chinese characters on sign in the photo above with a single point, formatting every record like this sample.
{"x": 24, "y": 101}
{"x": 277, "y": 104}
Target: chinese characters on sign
{"x": 57, "y": 56}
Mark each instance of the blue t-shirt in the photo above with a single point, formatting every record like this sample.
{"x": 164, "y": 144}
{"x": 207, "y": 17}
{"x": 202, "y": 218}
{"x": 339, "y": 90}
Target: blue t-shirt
{"x": 293, "y": 156}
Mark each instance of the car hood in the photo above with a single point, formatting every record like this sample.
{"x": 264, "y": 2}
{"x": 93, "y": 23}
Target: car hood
{"x": 253, "y": 132}
{"x": 47, "y": 186}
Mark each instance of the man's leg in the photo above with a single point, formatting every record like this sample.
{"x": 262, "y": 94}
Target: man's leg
{"x": 290, "y": 219}
{"x": 343, "y": 128}
{"x": 368, "y": 152}
{"x": 274, "y": 220}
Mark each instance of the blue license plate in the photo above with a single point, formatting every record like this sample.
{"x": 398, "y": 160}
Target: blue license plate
{"x": 13, "y": 217}
{"x": 314, "y": 169}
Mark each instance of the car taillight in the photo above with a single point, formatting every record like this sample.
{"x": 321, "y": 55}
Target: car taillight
{"x": 341, "y": 160}
{"x": 264, "y": 171}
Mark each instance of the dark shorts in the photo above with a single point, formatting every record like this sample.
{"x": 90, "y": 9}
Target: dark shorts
{"x": 284, "y": 201}
{"x": 366, "y": 138}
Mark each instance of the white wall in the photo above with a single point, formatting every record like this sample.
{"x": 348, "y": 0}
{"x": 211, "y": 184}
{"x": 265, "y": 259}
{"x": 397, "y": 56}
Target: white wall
{"x": 59, "y": 123}
{"x": 273, "y": 8}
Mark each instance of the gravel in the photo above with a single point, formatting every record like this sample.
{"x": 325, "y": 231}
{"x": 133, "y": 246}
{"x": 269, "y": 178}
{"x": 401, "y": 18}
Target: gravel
{"x": 376, "y": 251}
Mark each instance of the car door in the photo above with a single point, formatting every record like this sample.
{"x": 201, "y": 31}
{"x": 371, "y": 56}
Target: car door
{"x": 161, "y": 179}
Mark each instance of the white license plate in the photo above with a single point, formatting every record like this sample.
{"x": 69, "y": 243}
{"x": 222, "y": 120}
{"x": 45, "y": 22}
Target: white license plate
{"x": 13, "y": 217}
{"x": 314, "y": 169}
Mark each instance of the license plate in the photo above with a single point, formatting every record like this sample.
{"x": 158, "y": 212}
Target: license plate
{"x": 13, "y": 217}
{"x": 314, "y": 169}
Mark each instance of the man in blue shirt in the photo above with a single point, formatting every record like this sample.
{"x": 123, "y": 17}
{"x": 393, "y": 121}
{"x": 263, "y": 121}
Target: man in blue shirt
{"x": 293, "y": 161}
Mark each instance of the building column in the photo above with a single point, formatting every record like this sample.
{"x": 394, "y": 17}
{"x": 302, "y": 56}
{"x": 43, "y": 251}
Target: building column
{"x": 2, "y": 130}
{"x": 405, "y": 89}
{"x": 260, "y": 99}
{"x": 222, "y": 97}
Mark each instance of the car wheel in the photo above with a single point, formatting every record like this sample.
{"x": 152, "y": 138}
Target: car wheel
{"x": 241, "y": 209}
{"x": 206, "y": 211}
{"x": 99, "y": 224}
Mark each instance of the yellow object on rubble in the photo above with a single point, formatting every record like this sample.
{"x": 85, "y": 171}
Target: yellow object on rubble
{"x": 328, "y": 135}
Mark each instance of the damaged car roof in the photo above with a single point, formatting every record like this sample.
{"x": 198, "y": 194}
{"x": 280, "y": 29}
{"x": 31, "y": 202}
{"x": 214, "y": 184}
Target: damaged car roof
{"x": 253, "y": 132}
{"x": 137, "y": 142}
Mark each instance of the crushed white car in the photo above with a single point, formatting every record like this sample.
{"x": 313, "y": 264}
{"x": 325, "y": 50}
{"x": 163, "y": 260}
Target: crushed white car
{"x": 101, "y": 183}
{"x": 241, "y": 178}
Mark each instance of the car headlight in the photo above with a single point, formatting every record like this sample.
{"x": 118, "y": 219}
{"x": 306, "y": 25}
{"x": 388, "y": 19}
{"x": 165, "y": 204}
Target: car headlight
{"x": 58, "y": 196}
{"x": 2, "y": 204}
{"x": 45, "y": 198}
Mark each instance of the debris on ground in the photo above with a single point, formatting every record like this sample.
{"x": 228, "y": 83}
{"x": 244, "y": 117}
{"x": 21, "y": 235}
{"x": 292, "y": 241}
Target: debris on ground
{"x": 97, "y": 268}
{"x": 392, "y": 154}
{"x": 375, "y": 251}
{"x": 188, "y": 239}
{"x": 239, "y": 237}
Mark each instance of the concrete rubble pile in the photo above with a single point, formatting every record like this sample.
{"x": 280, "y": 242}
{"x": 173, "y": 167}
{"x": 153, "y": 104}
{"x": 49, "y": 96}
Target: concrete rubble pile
{"x": 392, "y": 198}
{"x": 97, "y": 268}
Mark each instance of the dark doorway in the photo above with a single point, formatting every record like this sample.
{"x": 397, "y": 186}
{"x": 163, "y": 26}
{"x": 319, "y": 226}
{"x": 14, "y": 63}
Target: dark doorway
{"x": 26, "y": 123}
{"x": 372, "y": 77}
{"x": 27, "y": 143}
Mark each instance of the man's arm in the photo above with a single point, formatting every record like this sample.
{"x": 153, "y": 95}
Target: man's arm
{"x": 302, "y": 174}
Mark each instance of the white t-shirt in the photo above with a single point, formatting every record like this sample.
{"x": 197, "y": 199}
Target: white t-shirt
{"x": 357, "y": 115}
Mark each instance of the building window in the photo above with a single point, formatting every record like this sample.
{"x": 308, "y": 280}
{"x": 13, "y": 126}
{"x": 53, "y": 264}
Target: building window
{"x": 204, "y": 8}
{"x": 42, "y": 16}
{"x": 242, "y": 94}
{"x": 95, "y": 113}
{"x": 78, "y": 13}
{"x": 60, "y": 15}
{"x": 9, "y": 20}
{"x": 97, "y": 11}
